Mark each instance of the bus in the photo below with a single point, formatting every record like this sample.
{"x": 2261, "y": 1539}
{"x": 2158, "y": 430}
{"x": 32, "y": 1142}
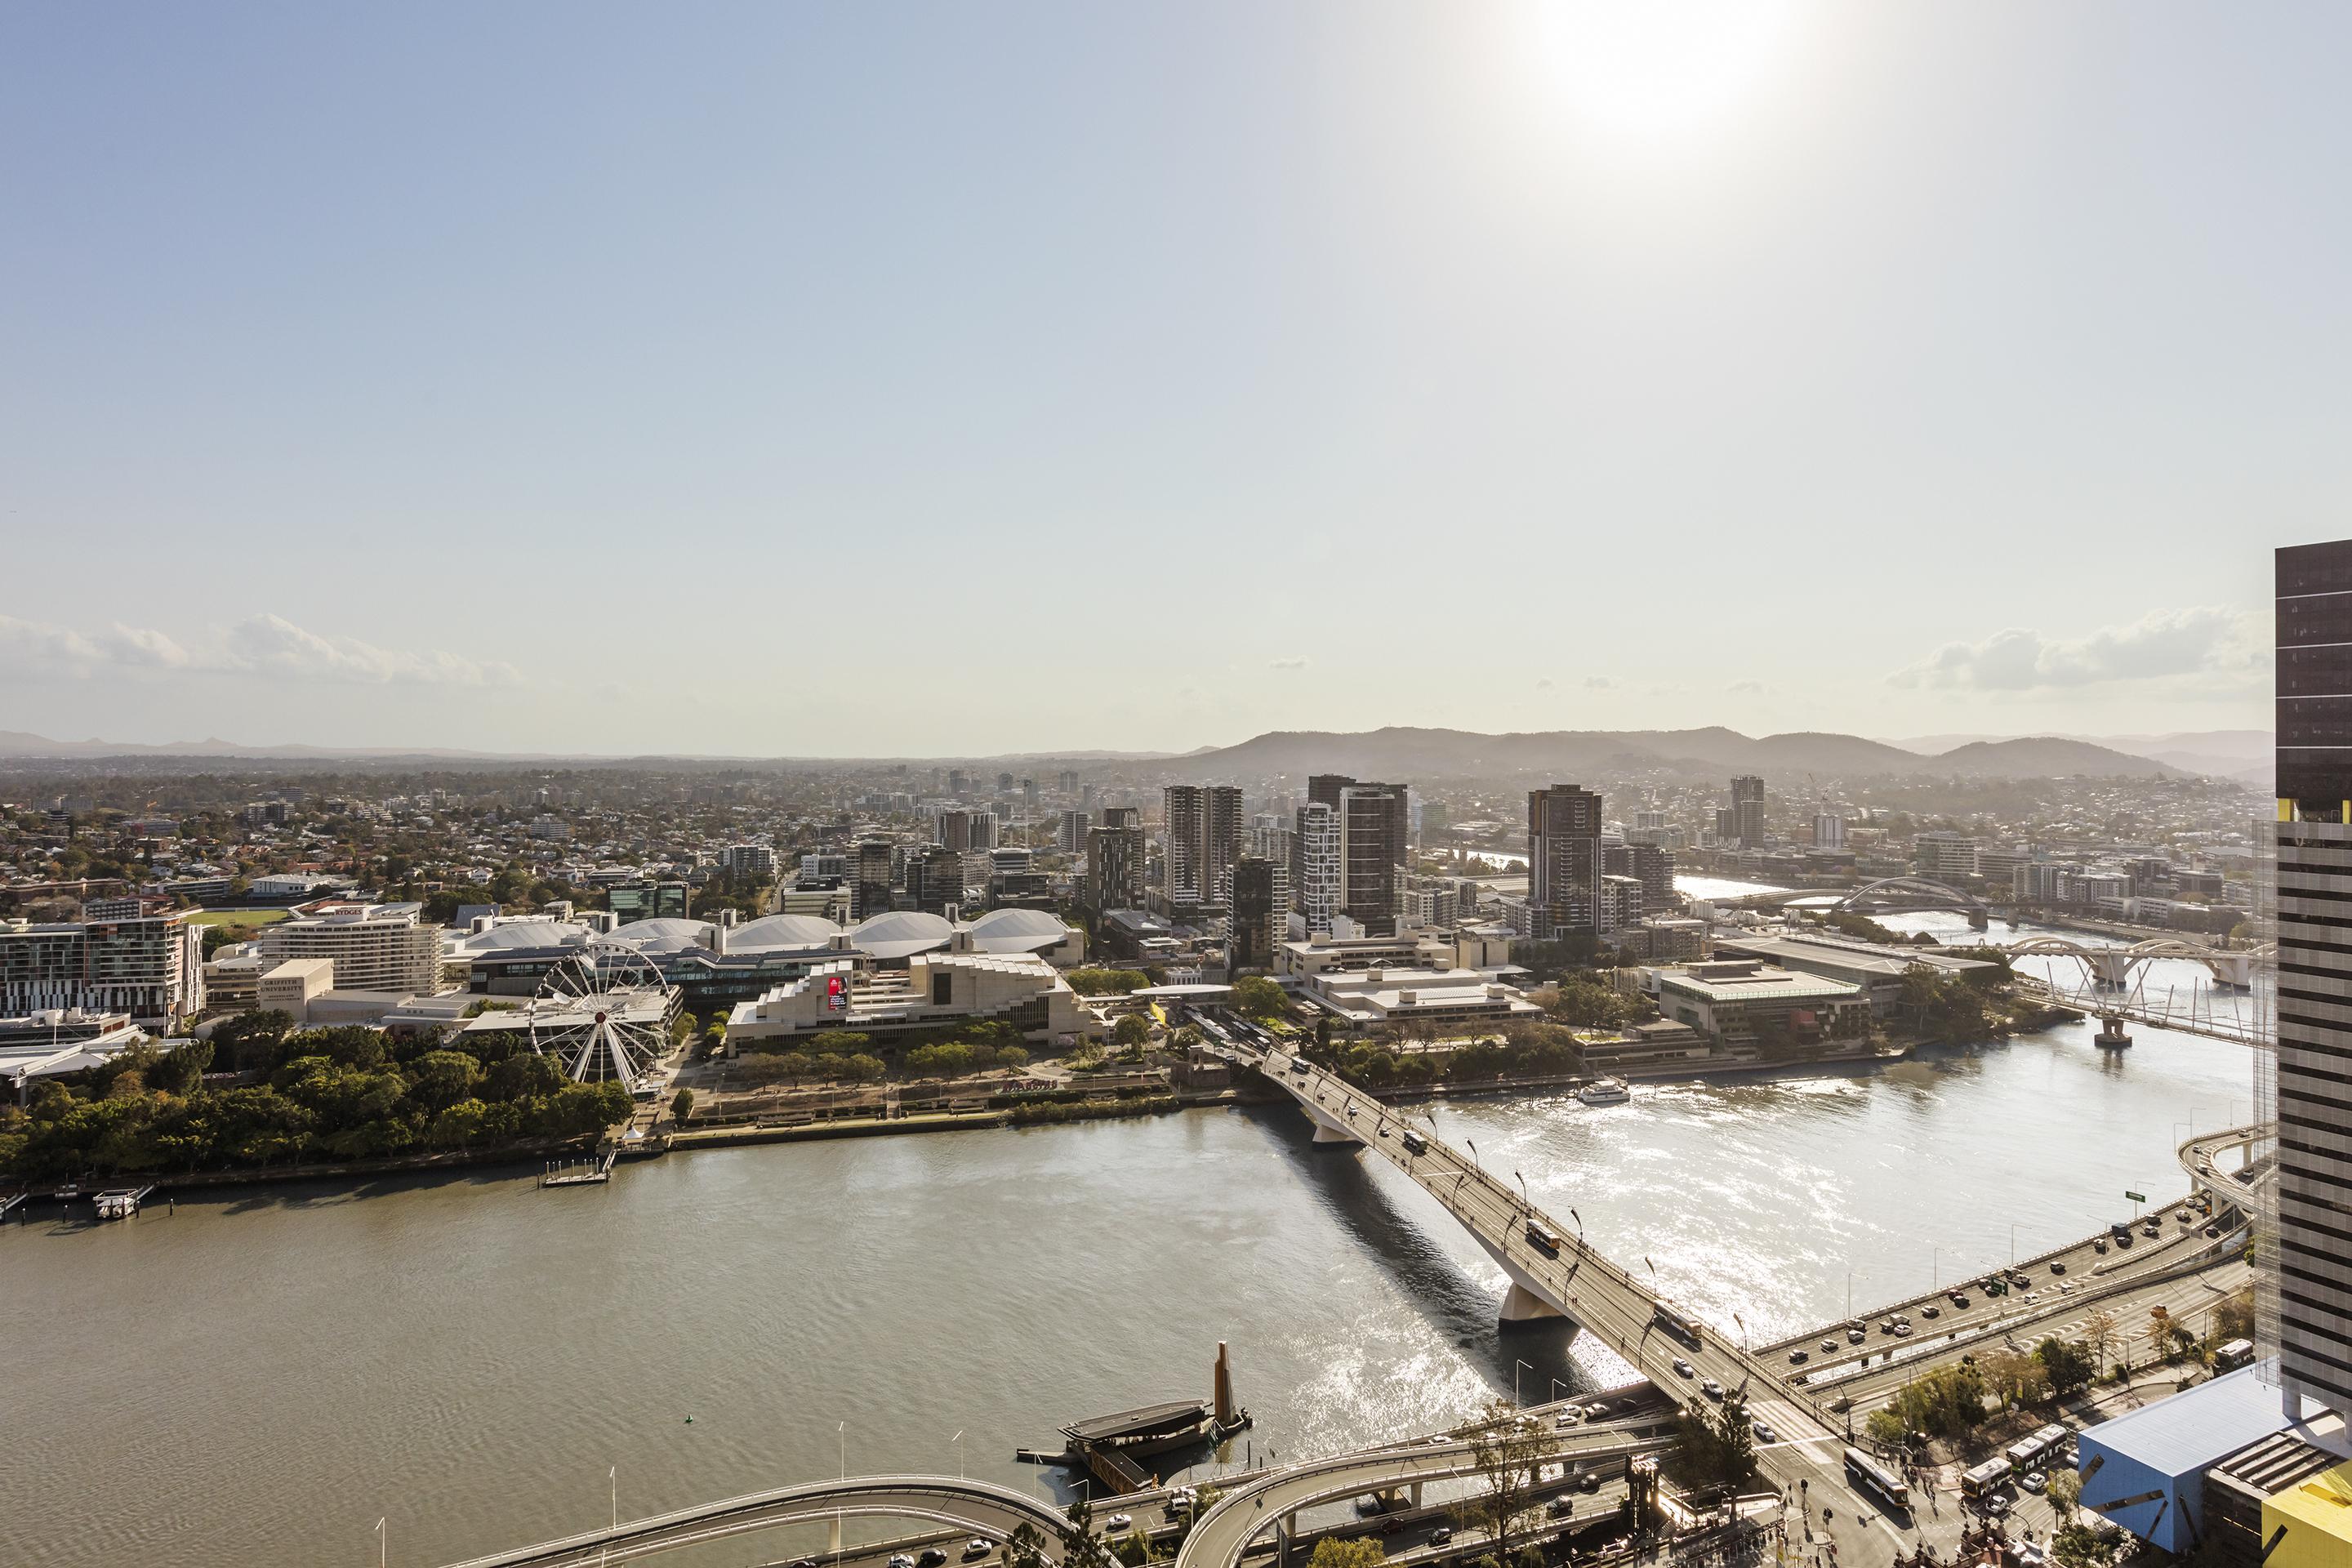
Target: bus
{"x": 2029, "y": 1453}
{"x": 1878, "y": 1478}
{"x": 1542, "y": 1240}
{"x": 1670, "y": 1318}
{"x": 1985, "y": 1479}
{"x": 1414, "y": 1142}
{"x": 2235, "y": 1354}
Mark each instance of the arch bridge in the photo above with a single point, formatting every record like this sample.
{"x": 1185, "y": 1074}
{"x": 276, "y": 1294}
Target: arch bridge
{"x": 2115, "y": 966}
{"x": 1890, "y": 894}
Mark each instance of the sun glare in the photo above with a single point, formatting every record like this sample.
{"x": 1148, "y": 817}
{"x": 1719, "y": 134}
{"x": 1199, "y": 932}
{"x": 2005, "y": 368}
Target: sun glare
{"x": 1659, "y": 71}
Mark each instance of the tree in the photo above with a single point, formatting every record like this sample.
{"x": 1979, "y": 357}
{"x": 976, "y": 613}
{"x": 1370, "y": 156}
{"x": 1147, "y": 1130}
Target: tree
{"x": 2067, "y": 1365}
{"x": 1130, "y": 1033}
{"x": 2234, "y": 1318}
{"x": 1505, "y": 1447}
{"x": 1718, "y": 1441}
{"x": 2065, "y": 1491}
{"x": 1337, "y": 1551}
{"x": 681, "y": 1105}
{"x": 1258, "y": 997}
{"x": 2158, "y": 1331}
{"x": 2099, "y": 1334}
{"x": 2015, "y": 1378}
{"x": 1885, "y": 1428}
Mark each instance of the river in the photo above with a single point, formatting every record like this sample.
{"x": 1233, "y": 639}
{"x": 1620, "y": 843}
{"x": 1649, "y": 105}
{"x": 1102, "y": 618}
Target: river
{"x": 258, "y": 1375}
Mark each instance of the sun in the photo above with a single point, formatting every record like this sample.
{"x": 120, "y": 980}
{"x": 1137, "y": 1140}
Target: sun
{"x": 1656, "y": 71}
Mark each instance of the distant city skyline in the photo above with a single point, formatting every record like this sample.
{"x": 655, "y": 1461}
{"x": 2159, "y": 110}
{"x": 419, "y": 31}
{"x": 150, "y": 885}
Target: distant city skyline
{"x": 799, "y": 381}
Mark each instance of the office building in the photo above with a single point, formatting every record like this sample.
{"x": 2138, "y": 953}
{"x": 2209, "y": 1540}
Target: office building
{"x": 961, "y": 830}
{"x": 957, "y": 782}
{"x": 150, "y": 968}
{"x": 1647, "y": 864}
{"x": 1748, "y": 811}
{"x": 2305, "y": 1297}
{"x": 871, "y": 864}
{"x": 1564, "y": 862}
{"x": 749, "y": 860}
{"x": 935, "y": 878}
{"x": 376, "y": 947}
{"x": 1070, "y": 832}
{"x": 1261, "y": 904}
{"x": 1374, "y": 839}
{"x": 1065, "y": 782}
{"x": 1619, "y": 907}
{"x": 1315, "y": 881}
{"x": 1828, "y": 830}
{"x": 1201, "y": 838}
{"x": 1115, "y": 855}
{"x": 648, "y": 901}
{"x": 1944, "y": 856}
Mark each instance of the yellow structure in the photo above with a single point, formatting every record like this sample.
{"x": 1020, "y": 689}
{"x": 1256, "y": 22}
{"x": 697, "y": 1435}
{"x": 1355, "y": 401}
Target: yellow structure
{"x": 2317, "y": 1518}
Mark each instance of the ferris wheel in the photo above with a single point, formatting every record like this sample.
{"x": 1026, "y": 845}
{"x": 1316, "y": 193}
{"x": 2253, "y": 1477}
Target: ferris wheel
{"x": 602, "y": 1014}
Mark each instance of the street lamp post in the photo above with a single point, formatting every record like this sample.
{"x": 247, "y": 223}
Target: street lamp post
{"x": 958, "y": 1441}
{"x": 1556, "y": 1386}
{"x": 1518, "y": 1367}
{"x": 1474, "y": 1152}
{"x": 1579, "y": 1229}
{"x": 1525, "y": 1202}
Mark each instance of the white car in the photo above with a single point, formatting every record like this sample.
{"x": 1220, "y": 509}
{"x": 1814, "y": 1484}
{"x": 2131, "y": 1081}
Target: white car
{"x": 1119, "y": 1522}
{"x": 1764, "y": 1433}
{"x": 2034, "y": 1480}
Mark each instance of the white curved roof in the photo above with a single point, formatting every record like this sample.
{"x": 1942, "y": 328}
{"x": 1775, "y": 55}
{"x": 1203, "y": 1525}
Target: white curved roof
{"x": 520, "y": 934}
{"x": 666, "y": 935}
{"x": 772, "y": 934}
{"x": 1017, "y": 931}
{"x": 900, "y": 934}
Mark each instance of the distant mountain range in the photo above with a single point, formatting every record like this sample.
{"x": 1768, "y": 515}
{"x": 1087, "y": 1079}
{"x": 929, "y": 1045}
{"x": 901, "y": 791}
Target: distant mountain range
{"x": 1408, "y": 753}
{"x": 2246, "y": 755}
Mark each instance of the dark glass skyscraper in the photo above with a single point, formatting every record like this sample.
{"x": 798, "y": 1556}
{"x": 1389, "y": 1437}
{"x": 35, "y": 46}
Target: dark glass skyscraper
{"x": 2307, "y": 1280}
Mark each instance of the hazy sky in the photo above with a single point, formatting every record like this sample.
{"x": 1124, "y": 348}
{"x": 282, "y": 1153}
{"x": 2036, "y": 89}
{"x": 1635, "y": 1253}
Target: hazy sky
{"x": 953, "y": 379}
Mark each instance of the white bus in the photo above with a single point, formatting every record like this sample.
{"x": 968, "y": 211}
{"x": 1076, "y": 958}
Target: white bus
{"x": 1986, "y": 1477}
{"x": 1877, "y": 1477}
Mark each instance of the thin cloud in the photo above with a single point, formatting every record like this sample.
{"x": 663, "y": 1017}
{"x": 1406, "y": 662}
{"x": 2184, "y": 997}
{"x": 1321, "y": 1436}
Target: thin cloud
{"x": 1748, "y": 687}
{"x": 1544, "y": 683}
{"x": 1596, "y": 683}
{"x": 263, "y": 644}
{"x": 1297, "y": 662}
{"x": 2202, "y": 640}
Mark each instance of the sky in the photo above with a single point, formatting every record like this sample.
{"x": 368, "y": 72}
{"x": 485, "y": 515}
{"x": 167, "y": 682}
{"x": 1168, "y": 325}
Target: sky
{"x": 887, "y": 380}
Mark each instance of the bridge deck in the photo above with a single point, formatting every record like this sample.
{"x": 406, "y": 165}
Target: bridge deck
{"x": 1577, "y": 1283}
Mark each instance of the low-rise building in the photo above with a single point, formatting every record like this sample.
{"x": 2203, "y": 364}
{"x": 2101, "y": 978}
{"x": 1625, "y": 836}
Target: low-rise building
{"x": 1877, "y": 968}
{"x": 1742, "y": 1001}
{"x": 291, "y": 984}
{"x": 934, "y": 989}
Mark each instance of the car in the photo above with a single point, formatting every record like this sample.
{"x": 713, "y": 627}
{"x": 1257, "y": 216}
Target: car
{"x": 902, "y": 1561}
{"x": 2057, "y": 1268}
{"x": 2029, "y": 1298}
{"x": 1711, "y": 1388}
{"x": 1902, "y": 1331}
{"x": 1560, "y": 1507}
{"x": 1828, "y": 1347}
{"x": 1855, "y": 1336}
{"x": 1993, "y": 1503}
{"x": 1119, "y": 1522}
{"x": 1568, "y": 1418}
{"x": 2212, "y": 1231}
{"x": 2099, "y": 1244}
{"x": 1391, "y": 1525}
{"x": 1684, "y": 1368}
{"x": 931, "y": 1557}
{"x": 1959, "y": 1299}
{"x": 2152, "y": 1227}
{"x": 1440, "y": 1535}
{"x": 977, "y": 1548}
{"x": 2065, "y": 1287}
{"x": 1763, "y": 1432}
{"x": 2034, "y": 1480}
{"x": 1798, "y": 1358}
{"x": 1590, "y": 1482}
{"x": 805, "y": 1563}
{"x": 1931, "y": 1311}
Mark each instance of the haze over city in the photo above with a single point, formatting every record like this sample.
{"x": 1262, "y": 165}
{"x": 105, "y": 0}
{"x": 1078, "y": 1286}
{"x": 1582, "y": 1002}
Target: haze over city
{"x": 1890, "y": 370}
{"x": 1307, "y": 783}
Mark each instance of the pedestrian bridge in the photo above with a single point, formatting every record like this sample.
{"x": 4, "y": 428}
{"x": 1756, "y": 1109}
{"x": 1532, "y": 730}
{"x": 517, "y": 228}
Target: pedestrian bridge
{"x": 975, "y": 1506}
